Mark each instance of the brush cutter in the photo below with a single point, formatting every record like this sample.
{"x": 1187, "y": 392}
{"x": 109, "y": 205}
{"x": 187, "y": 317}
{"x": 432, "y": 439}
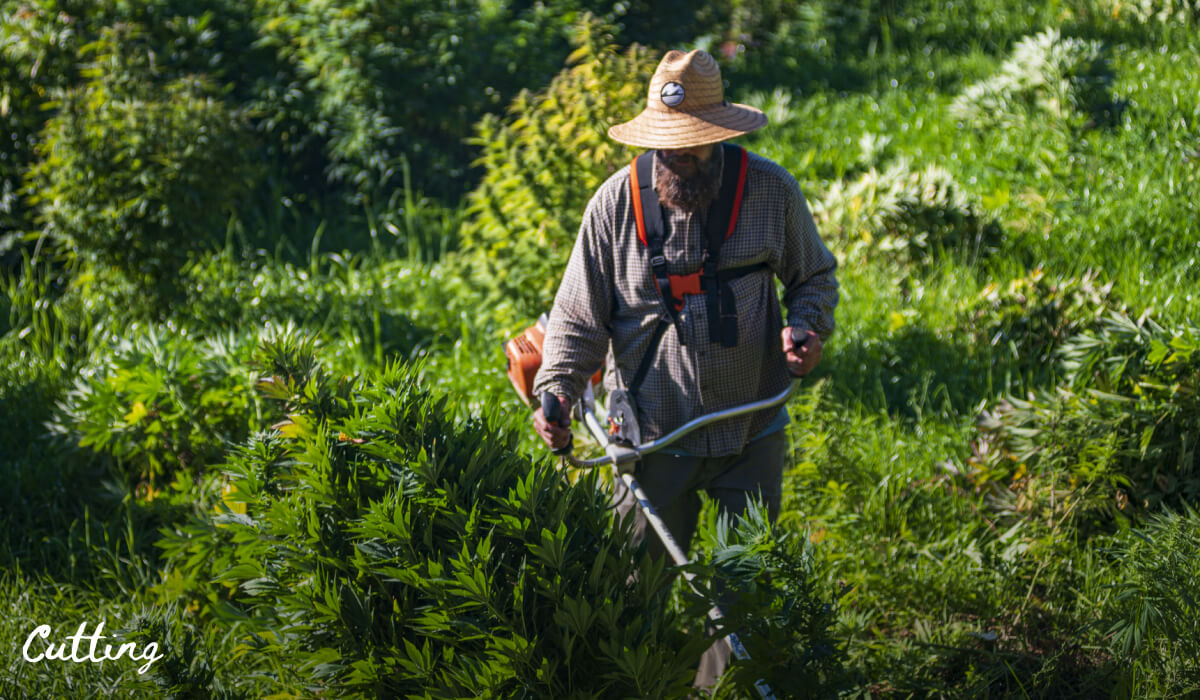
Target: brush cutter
{"x": 524, "y": 358}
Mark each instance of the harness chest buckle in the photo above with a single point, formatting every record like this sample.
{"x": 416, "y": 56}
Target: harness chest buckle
{"x": 685, "y": 284}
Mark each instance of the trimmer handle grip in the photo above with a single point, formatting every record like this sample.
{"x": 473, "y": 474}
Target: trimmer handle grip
{"x": 799, "y": 337}
{"x": 553, "y": 411}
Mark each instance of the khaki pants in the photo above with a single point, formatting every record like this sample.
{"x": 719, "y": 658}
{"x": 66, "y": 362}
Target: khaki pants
{"x": 673, "y": 484}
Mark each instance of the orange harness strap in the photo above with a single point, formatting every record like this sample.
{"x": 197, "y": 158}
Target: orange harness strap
{"x": 683, "y": 285}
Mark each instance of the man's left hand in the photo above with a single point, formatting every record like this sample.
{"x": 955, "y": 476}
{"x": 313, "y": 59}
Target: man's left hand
{"x": 801, "y": 360}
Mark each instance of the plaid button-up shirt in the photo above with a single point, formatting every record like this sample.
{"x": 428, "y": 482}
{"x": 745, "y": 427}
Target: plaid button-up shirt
{"x": 608, "y": 306}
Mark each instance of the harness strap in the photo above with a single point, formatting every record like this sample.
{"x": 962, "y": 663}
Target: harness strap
{"x": 721, "y": 222}
{"x": 648, "y": 357}
{"x": 719, "y": 225}
{"x": 651, "y": 227}
{"x": 696, "y": 283}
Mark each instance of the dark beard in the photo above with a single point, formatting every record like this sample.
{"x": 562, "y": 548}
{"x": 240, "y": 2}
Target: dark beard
{"x": 691, "y": 193}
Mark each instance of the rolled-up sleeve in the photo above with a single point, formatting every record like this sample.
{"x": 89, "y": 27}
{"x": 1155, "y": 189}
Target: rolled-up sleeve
{"x": 579, "y": 327}
{"x": 807, "y": 269}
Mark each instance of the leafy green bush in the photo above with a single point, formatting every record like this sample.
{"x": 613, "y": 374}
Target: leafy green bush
{"x": 778, "y": 611}
{"x": 1047, "y": 76}
{"x": 406, "y": 80}
{"x": 46, "y": 48}
{"x": 1118, "y": 435}
{"x": 425, "y": 555}
{"x": 540, "y": 168}
{"x": 126, "y": 176}
{"x": 911, "y": 214}
{"x": 380, "y": 542}
{"x": 1154, "y": 616}
{"x": 163, "y": 405}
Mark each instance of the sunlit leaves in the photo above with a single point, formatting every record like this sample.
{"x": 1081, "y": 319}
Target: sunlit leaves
{"x": 542, "y": 165}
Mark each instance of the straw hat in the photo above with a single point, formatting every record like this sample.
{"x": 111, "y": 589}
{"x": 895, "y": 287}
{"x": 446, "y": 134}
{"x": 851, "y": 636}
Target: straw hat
{"x": 686, "y": 107}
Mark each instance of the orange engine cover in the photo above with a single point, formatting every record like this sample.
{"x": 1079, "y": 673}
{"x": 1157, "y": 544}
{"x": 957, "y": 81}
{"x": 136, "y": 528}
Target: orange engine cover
{"x": 524, "y": 354}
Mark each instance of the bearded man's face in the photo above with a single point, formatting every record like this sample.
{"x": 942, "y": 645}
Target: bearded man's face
{"x": 687, "y": 178}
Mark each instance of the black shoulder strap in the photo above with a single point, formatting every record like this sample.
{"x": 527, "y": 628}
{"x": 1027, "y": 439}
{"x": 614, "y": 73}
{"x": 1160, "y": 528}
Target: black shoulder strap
{"x": 722, "y": 318}
{"x": 654, "y": 229}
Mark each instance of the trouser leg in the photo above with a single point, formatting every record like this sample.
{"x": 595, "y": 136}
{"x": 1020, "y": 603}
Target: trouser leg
{"x": 667, "y": 481}
{"x": 756, "y": 473}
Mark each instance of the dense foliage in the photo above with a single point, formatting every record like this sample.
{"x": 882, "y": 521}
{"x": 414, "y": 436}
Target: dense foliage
{"x": 164, "y": 406}
{"x": 126, "y": 179}
{"x": 1120, "y": 432}
{"x": 383, "y": 543}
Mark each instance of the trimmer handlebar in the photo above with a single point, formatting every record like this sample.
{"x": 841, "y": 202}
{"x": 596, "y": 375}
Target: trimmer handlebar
{"x": 621, "y": 455}
{"x": 799, "y": 337}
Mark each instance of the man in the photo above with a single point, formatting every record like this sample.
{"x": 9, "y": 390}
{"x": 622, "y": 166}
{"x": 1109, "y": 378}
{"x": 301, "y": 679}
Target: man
{"x": 697, "y": 327}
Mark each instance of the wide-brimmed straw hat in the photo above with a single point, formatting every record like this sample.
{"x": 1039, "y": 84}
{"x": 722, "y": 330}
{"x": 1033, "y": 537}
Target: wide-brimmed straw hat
{"x": 686, "y": 107}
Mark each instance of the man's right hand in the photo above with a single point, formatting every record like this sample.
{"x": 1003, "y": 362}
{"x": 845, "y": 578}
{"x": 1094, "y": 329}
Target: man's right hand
{"x": 556, "y": 436}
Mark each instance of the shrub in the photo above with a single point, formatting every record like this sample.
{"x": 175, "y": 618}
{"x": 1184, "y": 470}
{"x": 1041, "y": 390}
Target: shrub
{"x": 380, "y": 542}
{"x": 912, "y": 214}
{"x": 164, "y": 406}
{"x": 778, "y": 611}
{"x": 46, "y": 48}
{"x": 127, "y": 172}
{"x": 404, "y": 81}
{"x": 1154, "y": 615}
{"x": 540, "y": 168}
{"x": 426, "y": 555}
{"x": 1119, "y": 434}
{"x": 1047, "y": 76}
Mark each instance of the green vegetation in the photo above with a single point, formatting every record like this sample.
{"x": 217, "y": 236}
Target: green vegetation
{"x": 257, "y": 258}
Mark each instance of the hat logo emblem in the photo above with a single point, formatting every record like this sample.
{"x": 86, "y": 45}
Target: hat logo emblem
{"x": 672, "y": 94}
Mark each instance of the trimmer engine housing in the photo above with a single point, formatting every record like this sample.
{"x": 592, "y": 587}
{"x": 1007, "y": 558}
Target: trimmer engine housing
{"x": 524, "y": 354}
